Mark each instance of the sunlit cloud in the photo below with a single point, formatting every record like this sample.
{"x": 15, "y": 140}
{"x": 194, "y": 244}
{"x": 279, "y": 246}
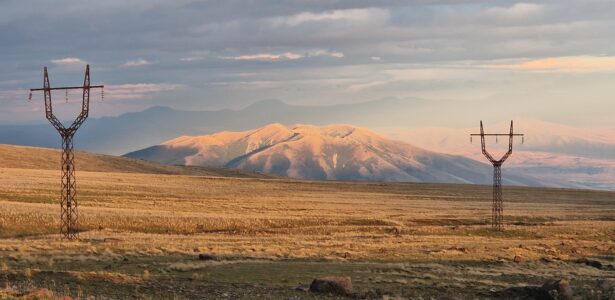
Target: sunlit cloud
{"x": 518, "y": 11}
{"x": 348, "y": 15}
{"x": 268, "y": 56}
{"x": 563, "y": 64}
{"x": 287, "y": 55}
{"x": 335, "y": 54}
{"x": 136, "y": 63}
{"x": 68, "y": 61}
{"x": 193, "y": 58}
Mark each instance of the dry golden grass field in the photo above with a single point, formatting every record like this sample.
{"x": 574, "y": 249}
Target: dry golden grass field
{"x": 141, "y": 235}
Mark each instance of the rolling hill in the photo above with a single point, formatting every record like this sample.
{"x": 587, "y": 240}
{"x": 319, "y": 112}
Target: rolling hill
{"x": 334, "y": 152}
{"x": 23, "y": 157}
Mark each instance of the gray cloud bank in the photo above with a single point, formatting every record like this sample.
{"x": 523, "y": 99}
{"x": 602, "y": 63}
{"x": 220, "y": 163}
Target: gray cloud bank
{"x": 547, "y": 59}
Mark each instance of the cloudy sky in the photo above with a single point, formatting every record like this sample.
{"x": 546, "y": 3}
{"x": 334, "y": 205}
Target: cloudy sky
{"x": 550, "y": 60}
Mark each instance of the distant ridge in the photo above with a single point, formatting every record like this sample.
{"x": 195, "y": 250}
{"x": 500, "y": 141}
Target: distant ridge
{"x": 23, "y": 157}
{"x": 333, "y": 152}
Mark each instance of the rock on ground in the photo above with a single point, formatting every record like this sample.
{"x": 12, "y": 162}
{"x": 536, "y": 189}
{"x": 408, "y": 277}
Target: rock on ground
{"x": 339, "y": 285}
{"x": 592, "y": 263}
{"x": 551, "y": 290}
{"x": 559, "y": 289}
{"x": 204, "y": 256}
{"x": 519, "y": 259}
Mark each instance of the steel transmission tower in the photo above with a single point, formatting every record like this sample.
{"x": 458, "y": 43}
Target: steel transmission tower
{"x": 497, "y": 209}
{"x": 68, "y": 200}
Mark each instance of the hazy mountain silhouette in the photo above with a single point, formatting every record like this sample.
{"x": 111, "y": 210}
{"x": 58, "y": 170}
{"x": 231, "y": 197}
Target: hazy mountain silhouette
{"x": 334, "y": 152}
{"x": 131, "y": 131}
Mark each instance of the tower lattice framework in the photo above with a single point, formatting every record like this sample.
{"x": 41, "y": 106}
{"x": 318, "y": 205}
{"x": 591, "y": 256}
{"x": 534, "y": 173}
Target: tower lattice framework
{"x": 69, "y": 217}
{"x": 497, "y": 208}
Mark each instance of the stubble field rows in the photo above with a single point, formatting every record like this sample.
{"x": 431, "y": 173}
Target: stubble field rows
{"x": 164, "y": 221}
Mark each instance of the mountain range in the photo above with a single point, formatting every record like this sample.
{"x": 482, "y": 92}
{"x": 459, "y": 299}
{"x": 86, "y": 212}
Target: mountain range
{"x": 131, "y": 131}
{"x": 333, "y": 152}
{"x": 565, "y": 155}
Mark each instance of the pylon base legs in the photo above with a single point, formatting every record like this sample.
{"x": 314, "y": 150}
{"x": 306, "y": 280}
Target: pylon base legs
{"x": 68, "y": 200}
{"x": 497, "y": 210}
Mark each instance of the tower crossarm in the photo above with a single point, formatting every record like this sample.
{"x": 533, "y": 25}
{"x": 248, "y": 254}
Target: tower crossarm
{"x": 69, "y": 88}
{"x": 85, "y": 104}
{"x": 510, "y": 135}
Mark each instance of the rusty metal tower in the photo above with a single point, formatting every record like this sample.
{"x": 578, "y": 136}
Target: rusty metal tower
{"x": 68, "y": 200}
{"x": 497, "y": 209}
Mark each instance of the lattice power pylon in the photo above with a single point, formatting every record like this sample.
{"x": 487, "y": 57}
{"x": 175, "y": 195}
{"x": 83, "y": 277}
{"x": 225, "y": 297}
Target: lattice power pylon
{"x": 497, "y": 210}
{"x": 68, "y": 201}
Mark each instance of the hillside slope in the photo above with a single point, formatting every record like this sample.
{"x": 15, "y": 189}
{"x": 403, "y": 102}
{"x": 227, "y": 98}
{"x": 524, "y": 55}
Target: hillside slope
{"x": 334, "y": 152}
{"x": 22, "y": 157}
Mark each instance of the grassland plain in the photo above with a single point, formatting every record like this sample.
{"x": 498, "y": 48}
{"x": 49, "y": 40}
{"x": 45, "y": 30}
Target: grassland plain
{"x": 142, "y": 233}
